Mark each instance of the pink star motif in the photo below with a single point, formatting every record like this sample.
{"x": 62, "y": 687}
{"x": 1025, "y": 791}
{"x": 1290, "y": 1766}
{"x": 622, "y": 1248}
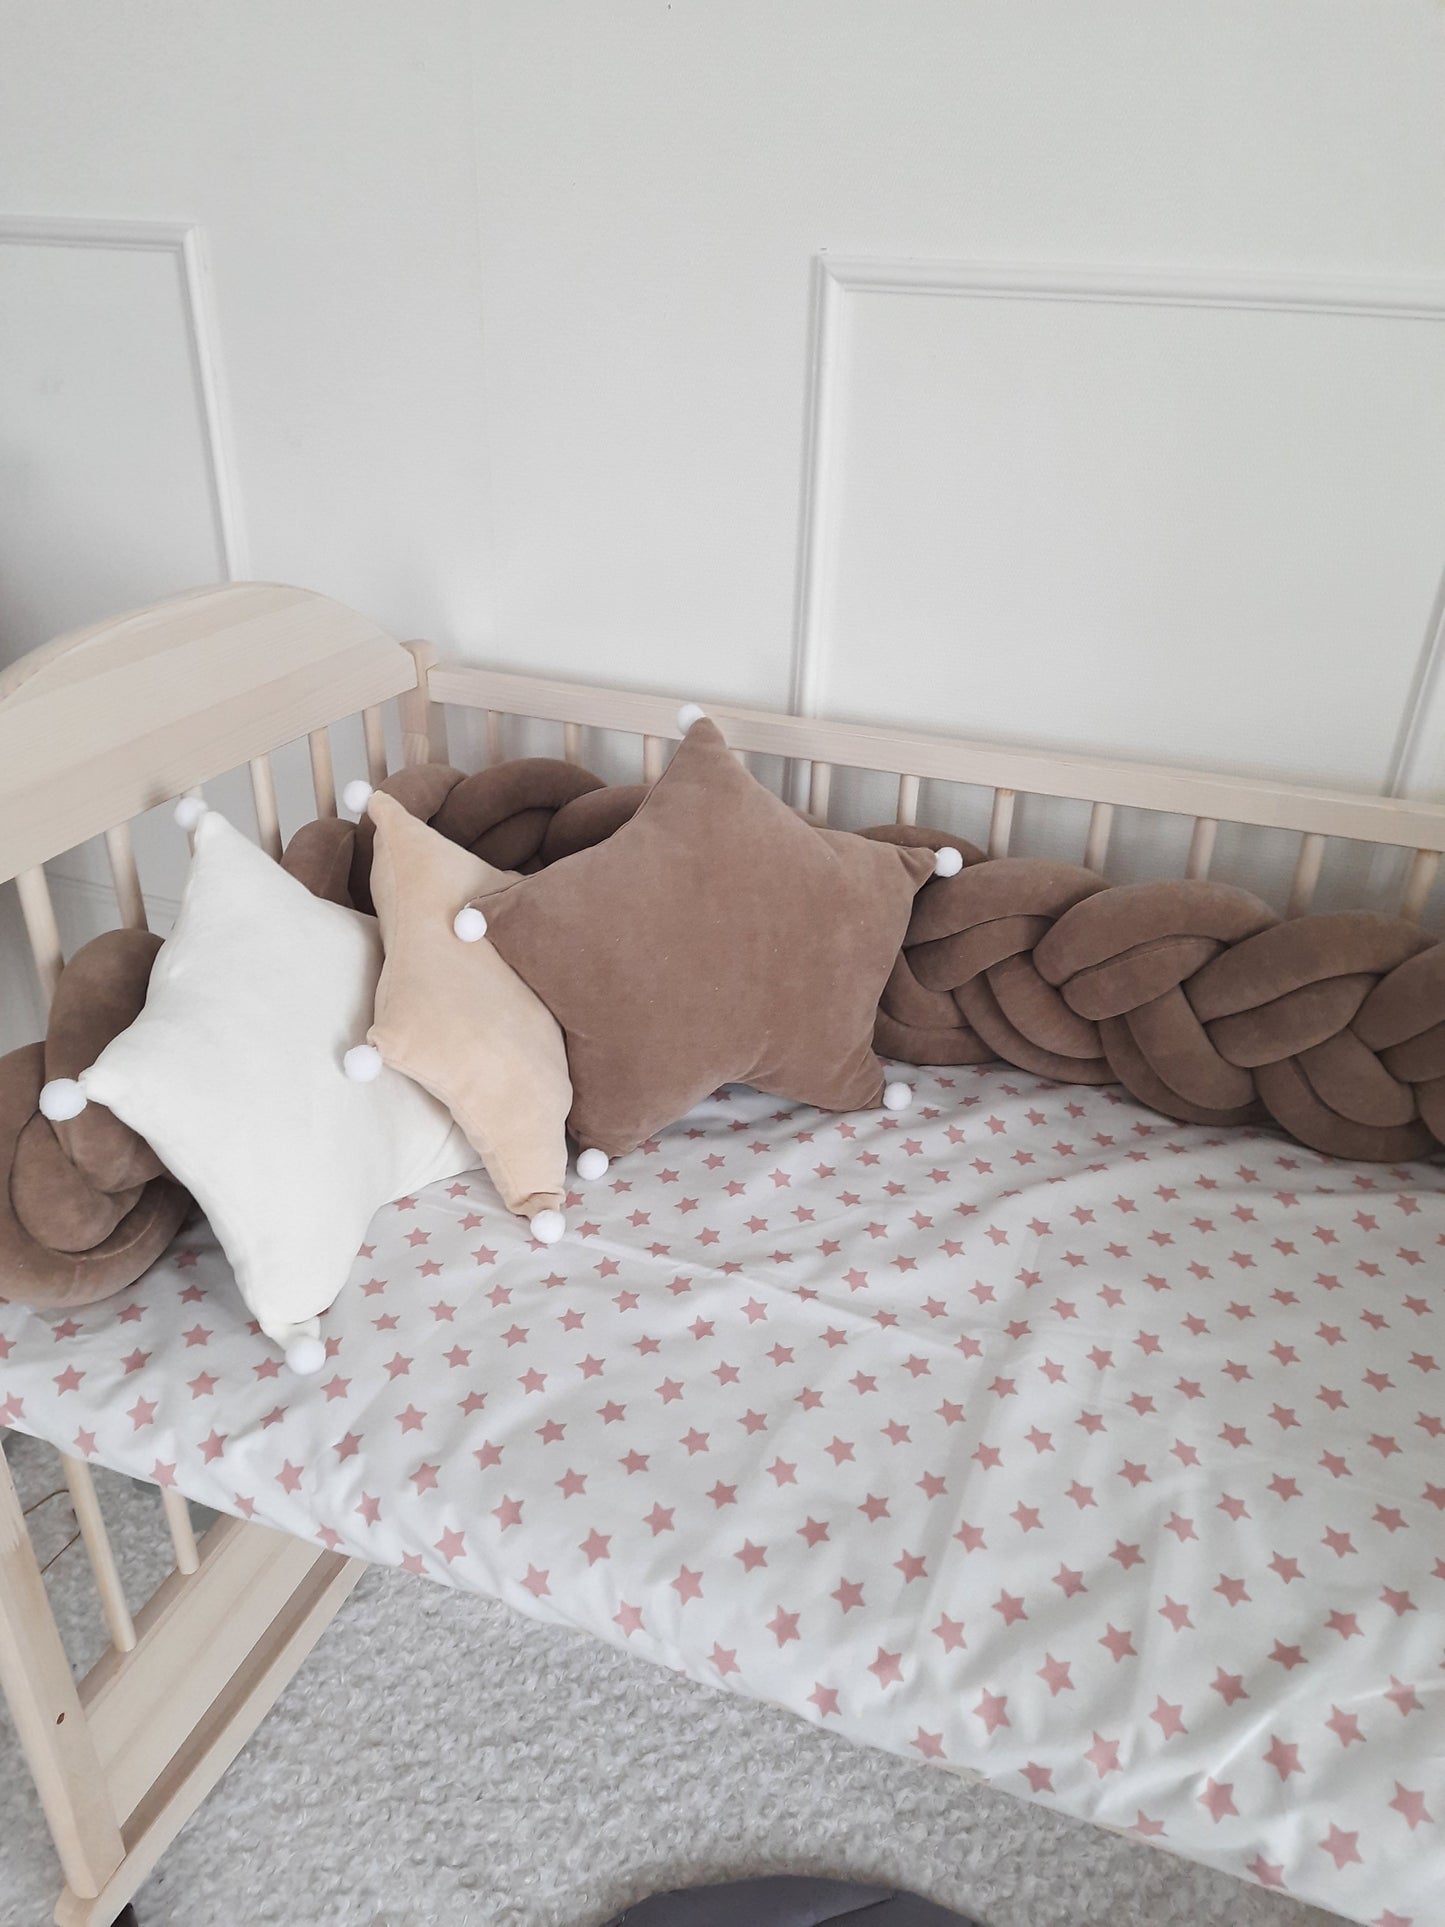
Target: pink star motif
{"x": 508, "y": 1513}
{"x": 1410, "y": 1806}
{"x": 142, "y": 1413}
{"x": 1010, "y": 1607}
{"x": 1168, "y": 1718}
{"x": 1055, "y": 1675}
{"x": 825, "y": 1698}
{"x": 784, "y": 1473}
{"x": 687, "y": 1585}
{"x": 1040, "y": 1778}
{"x": 370, "y": 1509}
{"x": 724, "y": 1659}
{"x": 1406, "y": 1699}
{"x": 848, "y": 1593}
{"x": 571, "y": 1483}
{"x": 629, "y": 1618}
{"x": 1345, "y": 1727}
{"x": 783, "y": 1626}
{"x": 1283, "y": 1756}
{"x": 1341, "y": 1847}
{"x": 1268, "y": 1873}
{"x": 815, "y": 1531}
{"x": 751, "y": 1556}
{"x": 887, "y": 1668}
{"x": 451, "y": 1545}
{"x": 911, "y": 1565}
{"x": 930, "y": 1745}
{"x": 425, "y": 1478}
{"x": 1219, "y": 1799}
{"x": 289, "y": 1477}
{"x": 992, "y": 1709}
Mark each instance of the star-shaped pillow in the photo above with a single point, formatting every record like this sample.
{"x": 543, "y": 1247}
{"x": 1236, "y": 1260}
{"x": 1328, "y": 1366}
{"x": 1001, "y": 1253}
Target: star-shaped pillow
{"x": 233, "y": 1074}
{"x": 461, "y": 1022}
{"x": 716, "y": 937}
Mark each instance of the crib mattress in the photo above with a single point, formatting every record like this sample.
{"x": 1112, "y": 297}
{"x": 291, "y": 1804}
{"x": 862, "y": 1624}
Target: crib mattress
{"x": 1026, "y": 1433}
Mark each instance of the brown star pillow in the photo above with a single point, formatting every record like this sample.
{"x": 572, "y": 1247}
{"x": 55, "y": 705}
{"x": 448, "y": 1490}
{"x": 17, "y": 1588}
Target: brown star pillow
{"x": 716, "y": 937}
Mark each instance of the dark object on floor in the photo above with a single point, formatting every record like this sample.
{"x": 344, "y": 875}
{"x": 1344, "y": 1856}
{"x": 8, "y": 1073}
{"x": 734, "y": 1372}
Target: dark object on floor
{"x": 125, "y": 1918}
{"x": 788, "y": 1901}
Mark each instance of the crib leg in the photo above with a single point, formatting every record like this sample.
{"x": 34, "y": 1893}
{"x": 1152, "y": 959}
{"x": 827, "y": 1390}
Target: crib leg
{"x": 54, "y": 1735}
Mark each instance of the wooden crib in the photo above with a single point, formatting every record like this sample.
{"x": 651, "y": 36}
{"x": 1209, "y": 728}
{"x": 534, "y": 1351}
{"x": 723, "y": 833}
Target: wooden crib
{"x": 101, "y": 726}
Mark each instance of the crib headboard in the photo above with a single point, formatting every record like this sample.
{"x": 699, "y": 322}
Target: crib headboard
{"x": 103, "y": 724}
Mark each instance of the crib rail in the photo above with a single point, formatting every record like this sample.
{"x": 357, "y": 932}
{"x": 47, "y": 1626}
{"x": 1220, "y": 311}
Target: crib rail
{"x": 818, "y": 748}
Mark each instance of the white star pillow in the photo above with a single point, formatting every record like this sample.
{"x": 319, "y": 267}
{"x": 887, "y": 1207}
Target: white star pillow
{"x": 233, "y": 1075}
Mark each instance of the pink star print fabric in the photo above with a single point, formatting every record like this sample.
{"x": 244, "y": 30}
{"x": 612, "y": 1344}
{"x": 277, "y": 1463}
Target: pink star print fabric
{"x": 1024, "y": 1432}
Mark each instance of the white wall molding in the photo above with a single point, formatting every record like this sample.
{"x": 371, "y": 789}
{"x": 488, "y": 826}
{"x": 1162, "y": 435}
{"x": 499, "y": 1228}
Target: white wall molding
{"x": 185, "y": 241}
{"x": 838, "y": 283}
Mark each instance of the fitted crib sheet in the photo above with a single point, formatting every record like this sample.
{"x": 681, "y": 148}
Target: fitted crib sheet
{"x": 1026, "y": 1433}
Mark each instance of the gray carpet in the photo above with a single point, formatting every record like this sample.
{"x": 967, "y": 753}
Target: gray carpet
{"x": 439, "y": 1762}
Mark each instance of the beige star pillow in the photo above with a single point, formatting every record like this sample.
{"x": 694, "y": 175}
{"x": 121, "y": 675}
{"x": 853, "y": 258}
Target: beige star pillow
{"x": 461, "y": 1022}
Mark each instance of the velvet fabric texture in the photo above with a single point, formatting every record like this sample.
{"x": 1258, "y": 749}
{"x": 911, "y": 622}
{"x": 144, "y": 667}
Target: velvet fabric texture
{"x": 85, "y": 1205}
{"x": 233, "y": 1074}
{"x": 715, "y": 937}
{"x": 1193, "y": 995}
{"x": 460, "y": 1021}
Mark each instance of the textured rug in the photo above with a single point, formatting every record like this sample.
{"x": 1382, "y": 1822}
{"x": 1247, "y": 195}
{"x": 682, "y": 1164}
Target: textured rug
{"x": 441, "y": 1763}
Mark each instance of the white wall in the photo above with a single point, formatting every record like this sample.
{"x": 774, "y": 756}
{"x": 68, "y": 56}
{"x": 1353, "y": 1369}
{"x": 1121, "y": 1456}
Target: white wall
{"x": 521, "y": 342}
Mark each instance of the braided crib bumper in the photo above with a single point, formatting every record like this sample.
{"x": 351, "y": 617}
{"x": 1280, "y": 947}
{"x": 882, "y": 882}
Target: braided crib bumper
{"x": 1194, "y": 996}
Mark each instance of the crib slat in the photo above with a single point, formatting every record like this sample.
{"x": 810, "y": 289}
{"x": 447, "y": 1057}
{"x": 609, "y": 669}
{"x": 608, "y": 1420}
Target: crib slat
{"x": 96, "y": 1539}
{"x": 1096, "y": 844}
{"x": 654, "y": 751}
{"x": 496, "y": 750}
{"x": 183, "y": 1537}
{"x": 49, "y": 1719}
{"x": 126, "y": 877}
{"x": 375, "y": 736}
{"x": 1201, "y": 848}
{"x": 572, "y": 742}
{"x": 1001, "y": 823}
{"x": 1306, "y": 875}
{"x": 263, "y": 795}
{"x": 40, "y": 926}
{"x": 907, "y": 811}
{"x": 820, "y": 788}
{"x": 323, "y": 781}
{"x": 1419, "y": 882}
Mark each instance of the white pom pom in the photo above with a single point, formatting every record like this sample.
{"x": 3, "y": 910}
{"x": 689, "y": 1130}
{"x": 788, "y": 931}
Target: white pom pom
{"x": 305, "y": 1355}
{"x": 897, "y": 1096}
{"x": 689, "y": 714}
{"x": 357, "y": 795}
{"x": 362, "y": 1063}
{"x": 61, "y": 1098}
{"x": 592, "y": 1164}
{"x": 947, "y": 862}
{"x": 469, "y": 924}
{"x": 548, "y": 1226}
{"x": 189, "y": 811}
